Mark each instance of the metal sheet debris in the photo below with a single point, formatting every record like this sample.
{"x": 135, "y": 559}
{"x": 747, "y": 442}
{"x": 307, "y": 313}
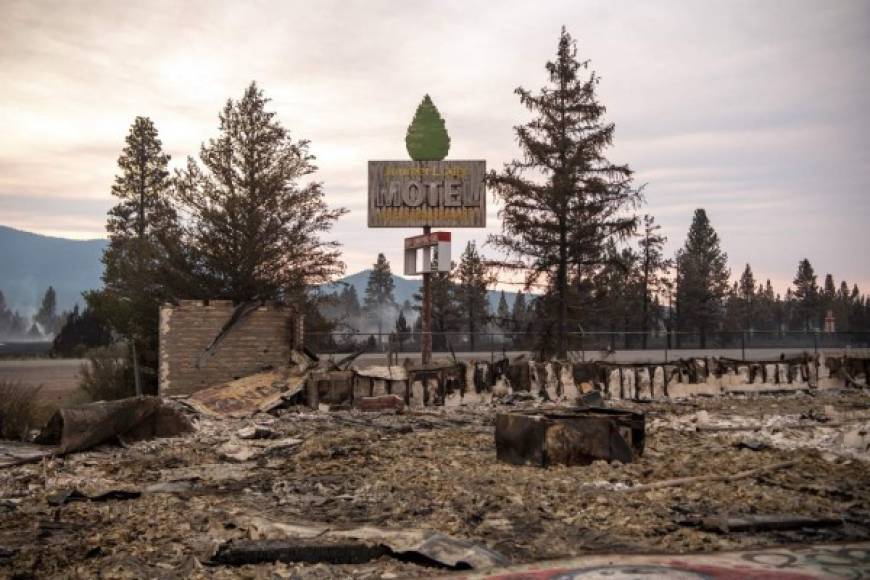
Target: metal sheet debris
{"x": 249, "y": 395}
{"x": 289, "y": 542}
{"x": 18, "y": 452}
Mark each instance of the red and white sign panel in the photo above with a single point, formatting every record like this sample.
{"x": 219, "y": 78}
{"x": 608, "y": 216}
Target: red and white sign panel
{"x": 433, "y": 248}
{"x": 424, "y": 240}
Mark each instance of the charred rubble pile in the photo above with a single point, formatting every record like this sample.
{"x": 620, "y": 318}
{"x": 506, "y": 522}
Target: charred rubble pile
{"x": 322, "y": 468}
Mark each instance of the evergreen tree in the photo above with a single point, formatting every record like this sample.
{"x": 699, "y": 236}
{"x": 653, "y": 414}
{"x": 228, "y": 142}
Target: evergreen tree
{"x": 427, "y": 138}
{"x": 350, "y": 302}
{"x": 519, "y": 313}
{"x": 703, "y": 278}
{"x": 470, "y": 292}
{"x": 829, "y": 297}
{"x": 255, "y": 231}
{"x": 379, "y": 300}
{"x": 806, "y": 295}
{"x": 403, "y": 331}
{"x": 653, "y": 276}
{"x": 444, "y": 318}
{"x": 555, "y": 228}
{"x": 618, "y": 293}
{"x": 842, "y": 306}
{"x": 746, "y": 293}
{"x": 857, "y": 307}
{"x": 140, "y": 227}
{"x": 503, "y": 313}
{"x": 47, "y": 316}
{"x": 732, "y": 320}
{"x": 80, "y": 333}
{"x": 765, "y": 308}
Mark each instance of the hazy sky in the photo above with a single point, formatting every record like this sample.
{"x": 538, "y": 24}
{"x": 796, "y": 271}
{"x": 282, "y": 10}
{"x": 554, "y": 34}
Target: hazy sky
{"x": 756, "y": 111}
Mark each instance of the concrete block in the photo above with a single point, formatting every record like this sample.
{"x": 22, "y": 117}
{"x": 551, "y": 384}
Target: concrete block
{"x": 658, "y": 383}
{"x": 644, "y": 384}
{"x": 782, "y": 374}
{"x": 614, "y": 385}
{"x": 628, "y": 383}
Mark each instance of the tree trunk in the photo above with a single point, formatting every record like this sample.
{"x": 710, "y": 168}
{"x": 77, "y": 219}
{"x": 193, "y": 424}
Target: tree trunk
{"x": 471, "y": 325}
{"x": 563, "y": 291}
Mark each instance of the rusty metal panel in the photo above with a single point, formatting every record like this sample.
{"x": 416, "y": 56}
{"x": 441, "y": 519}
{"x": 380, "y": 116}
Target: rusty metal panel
{"x": 427, "y": 193}
{"x": 576, "y": 437}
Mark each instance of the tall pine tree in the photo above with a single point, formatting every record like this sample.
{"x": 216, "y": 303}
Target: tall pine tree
{"x": 379, "y": 300}
{"x": 255, "y": 229}
{"x": 653, "y": 272}
{"x": 47, "y": 316}
{"x": 519, "y": 312}
{"x": 141, "y": 227}
{"x": 564, "y": 200}
{"x": 702, "y": 272}
{"x": 503, "y": 313}
{"x": 806, "y": 295}
{"x": 746, "y": 293}
{"x": 472, "y": 280}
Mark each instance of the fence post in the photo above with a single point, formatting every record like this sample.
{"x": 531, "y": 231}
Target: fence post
{"x": 743, "y": 345}
{"x": 816, "y": 343}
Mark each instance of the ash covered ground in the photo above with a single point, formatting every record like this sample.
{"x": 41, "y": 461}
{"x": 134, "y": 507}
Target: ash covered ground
{"x": 435, "y": 469}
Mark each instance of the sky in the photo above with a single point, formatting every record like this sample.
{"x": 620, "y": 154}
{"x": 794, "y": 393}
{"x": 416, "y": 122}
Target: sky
{"x": 755, "y": 111}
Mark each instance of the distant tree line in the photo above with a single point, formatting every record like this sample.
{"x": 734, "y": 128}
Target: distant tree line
{"x": 460, "y": 307}
{"x": 44, "y": 324}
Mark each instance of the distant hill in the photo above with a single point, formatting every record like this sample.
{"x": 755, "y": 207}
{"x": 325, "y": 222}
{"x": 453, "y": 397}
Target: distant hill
{"x": 29, "y": 263}
{"x": 405, "y": 288}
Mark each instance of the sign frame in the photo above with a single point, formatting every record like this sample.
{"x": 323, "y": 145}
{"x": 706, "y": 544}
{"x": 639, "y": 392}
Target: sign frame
{"x": 408, "y": 194}
{"x": 437, "y": 241}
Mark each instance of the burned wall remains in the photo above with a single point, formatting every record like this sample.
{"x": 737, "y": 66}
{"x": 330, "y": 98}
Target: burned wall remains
{"x": 208, "y": 343}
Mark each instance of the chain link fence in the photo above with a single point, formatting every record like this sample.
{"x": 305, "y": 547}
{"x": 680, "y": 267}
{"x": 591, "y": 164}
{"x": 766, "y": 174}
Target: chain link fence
{"x": 595, "y": 344}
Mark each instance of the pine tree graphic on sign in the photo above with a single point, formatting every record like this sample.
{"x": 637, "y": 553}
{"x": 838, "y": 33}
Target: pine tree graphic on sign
{"x": 427, "y": 138}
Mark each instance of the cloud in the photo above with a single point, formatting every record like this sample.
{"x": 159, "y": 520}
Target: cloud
{"x": 754, "y": 111}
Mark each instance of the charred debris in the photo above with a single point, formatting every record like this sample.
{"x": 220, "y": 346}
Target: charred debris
{"x": 323, "y": 467}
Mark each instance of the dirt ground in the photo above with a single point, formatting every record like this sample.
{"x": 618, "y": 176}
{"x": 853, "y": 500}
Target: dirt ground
{"x": 437, "y": 469}
{"x": 58, "y": 379}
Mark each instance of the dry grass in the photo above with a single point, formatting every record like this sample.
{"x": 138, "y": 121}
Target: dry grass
{"x": 20, "y": 410}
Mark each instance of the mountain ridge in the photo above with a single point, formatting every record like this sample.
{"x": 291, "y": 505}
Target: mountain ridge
{"x": 31, "y": 262}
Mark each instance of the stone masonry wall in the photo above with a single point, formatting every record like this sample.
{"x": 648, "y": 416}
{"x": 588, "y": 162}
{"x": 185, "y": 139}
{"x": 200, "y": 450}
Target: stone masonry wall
{"x": 263, "y": 338}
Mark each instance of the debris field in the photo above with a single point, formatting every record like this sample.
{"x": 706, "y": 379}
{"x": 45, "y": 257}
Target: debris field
{"x": 346, "y": 493}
